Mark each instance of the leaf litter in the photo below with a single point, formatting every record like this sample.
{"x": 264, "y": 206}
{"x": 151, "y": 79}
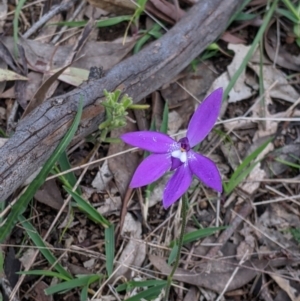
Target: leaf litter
{"x": 271, "y": 188}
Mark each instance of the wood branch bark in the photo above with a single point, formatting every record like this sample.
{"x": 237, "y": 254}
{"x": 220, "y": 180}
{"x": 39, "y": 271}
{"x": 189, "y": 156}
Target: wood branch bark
{"x": 39, "y": 132}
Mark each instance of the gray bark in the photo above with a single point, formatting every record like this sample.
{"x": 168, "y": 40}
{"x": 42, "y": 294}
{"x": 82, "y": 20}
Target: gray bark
{"x": 39, "y": 132}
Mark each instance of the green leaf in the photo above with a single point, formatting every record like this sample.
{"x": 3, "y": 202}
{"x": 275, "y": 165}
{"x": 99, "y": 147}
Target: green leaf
{"x": 133, "y": 284}
{"x": 64, "y": 164}
{"x": 286, "y": 13}
{"x": 190, "y": 237}
{"x": 112, "y": 21}
{"x": 110, "y": 248}
{"x": 245, "y": 17}
{"x": 238, "y": 11}
{"x": 84, "y": 291}
{"x": 16, "y": 25}
{"x": 242, "y": 171}
{"x": 151, "y": 292}
{"x": 165, "y": 120}
{"x": 88, "y": 208}
{"x": 1, "y": 263}
{"x": 45, "y": 273}
{"x": 198, "y": 234}
{"x": 292, "y": 9}
{"x": 173, "y": 254}
{"x": 20, "y": 206}
{"x": 81, "y": 281}
{"x": 141, "y": 42}
{"x": 153, "y": 32}
{"x": 288, "y": 163}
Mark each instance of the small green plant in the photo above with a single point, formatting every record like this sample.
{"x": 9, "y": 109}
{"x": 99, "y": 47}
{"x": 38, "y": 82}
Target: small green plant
{"x": 140, "y": 7}
{"x": 152, "y": 289}
{"x": 191, "y": 237}
{"x": 293, "y": 14}
{"x": 296, "y": 234}
{"x": 244, "y": 169}
{"x": 154, "y": 32}
{"x": 116, "y": 113}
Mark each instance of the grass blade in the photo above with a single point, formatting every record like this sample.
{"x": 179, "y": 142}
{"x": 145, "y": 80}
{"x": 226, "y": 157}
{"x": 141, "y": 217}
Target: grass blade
{"x": 16, "y": 25}
{"x": 243, "y": 170}
{"x": 45, "y": 273}
{"x": 133, "y": 284}
{"x": 110, "y": 248}
{"x": 190, "y": 237}
{"x": 74, "y": 283}
{"x": 165, "y": 121}
{"x": 88, "y": 208}
{"x": 288, "y": 163}
{"x": 64, "y": 164}
{"x": 20, "y": 206}
{"x": 38, "y": 241}
{"x": 151, "y": 292}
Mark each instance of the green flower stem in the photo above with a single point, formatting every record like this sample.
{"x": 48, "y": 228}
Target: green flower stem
{"x": 180, "y": 243}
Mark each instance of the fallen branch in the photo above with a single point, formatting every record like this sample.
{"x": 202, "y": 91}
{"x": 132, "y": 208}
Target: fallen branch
{"x": 39, "y": 132}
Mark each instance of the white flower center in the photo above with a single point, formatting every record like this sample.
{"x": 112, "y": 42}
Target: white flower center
{"x": 181, "y": 155}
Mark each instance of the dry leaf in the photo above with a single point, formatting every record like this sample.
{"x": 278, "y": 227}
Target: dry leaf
{"x": 175, "y": 122}
{"x": 286, "y": 286}
{"x": 217, "y": 273}
{"x": 39, "y": 292}
{"x": 3, "y": 66}
{"x": 26, "y": 258}
{"x": 282, "y": 90}
{"x": 192, "y": 294}
{"x": 122, "y": 166}
{"x": 50, "y": 195}
{"x": 112, "y": 204}
{"x": 240, "y": 90}
{"x": 41, "y": 93}
{"x": 279, "y": 55}
{"x": 34, "y": 82}
{"x": 135, "y": 252}
{"x": 232, "y": 39}
{"x": 7, "y": 75}
{"x": 3, "y": 12}
{"x": 197, "y": 83}
{"x": 105, "y": 54}
{"x": 253, "y": 181}
{"x": 102, "y": 178}
{"x": 168, "y": 9}
{"x": 276, "y": 216}
{"x": 74, "y": 76}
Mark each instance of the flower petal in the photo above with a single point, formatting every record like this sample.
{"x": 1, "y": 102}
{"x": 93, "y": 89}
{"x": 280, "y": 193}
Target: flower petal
{"x": 151, "y": 169}
{"x": 151, "y": 141}
{"x": 206, "y": 170}
{"x": 205, "y": 117}
{"x": 177, "y": 185}
{"x": 175, "y": 163}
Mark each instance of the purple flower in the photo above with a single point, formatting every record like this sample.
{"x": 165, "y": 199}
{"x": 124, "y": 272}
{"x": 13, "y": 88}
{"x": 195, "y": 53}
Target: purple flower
{"x": 169, "y": 154}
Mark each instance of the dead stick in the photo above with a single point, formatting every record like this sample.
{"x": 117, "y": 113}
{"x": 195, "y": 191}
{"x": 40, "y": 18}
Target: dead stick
{"x": 38, "y": 134}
